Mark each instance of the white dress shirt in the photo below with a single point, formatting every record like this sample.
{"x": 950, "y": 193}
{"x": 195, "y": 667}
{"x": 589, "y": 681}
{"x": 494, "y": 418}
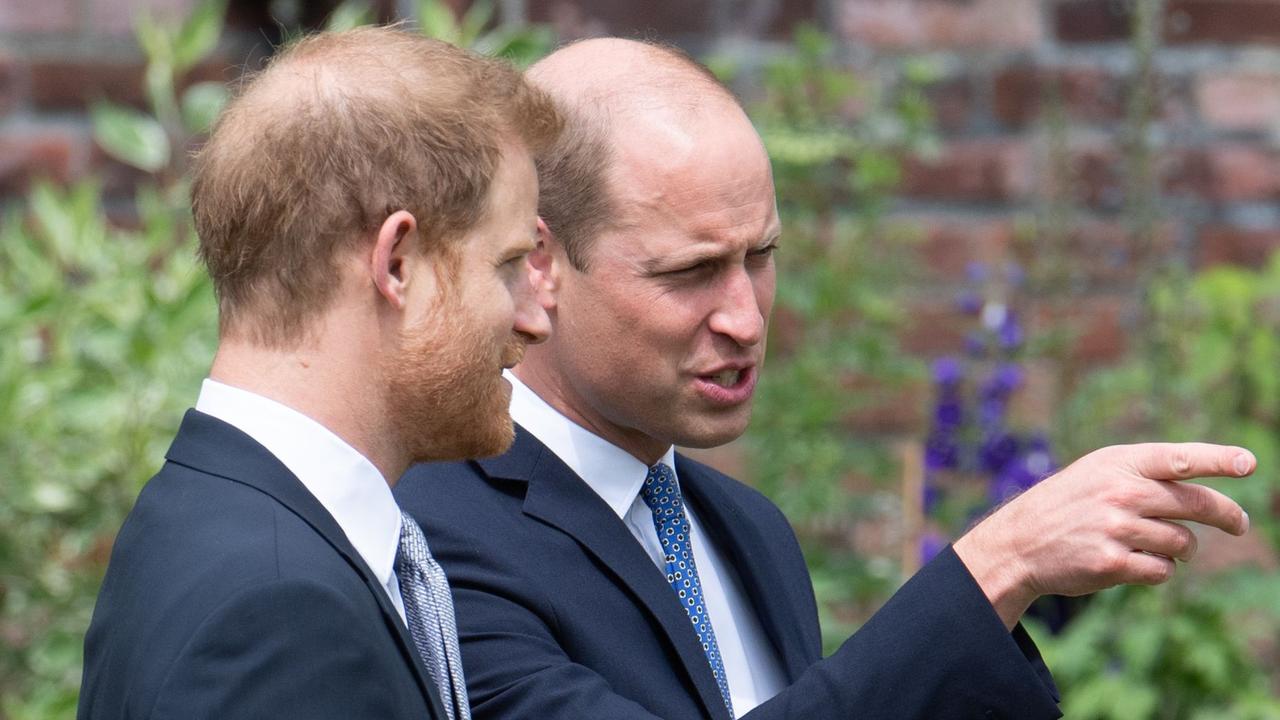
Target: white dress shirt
{"x": 343, "y": 480}
{"x": 751, "y": 666}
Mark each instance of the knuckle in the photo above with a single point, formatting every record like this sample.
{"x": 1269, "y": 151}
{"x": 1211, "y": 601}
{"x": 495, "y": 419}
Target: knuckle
{"x": 1188, "y": 544}
{"x": 1180, "y": 463}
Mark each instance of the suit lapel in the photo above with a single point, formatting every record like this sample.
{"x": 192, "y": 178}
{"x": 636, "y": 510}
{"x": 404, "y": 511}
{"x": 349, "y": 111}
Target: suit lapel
{"x": 558, "y": 497}
{"x": 738, "y": 538}
{"x": 213, "y": 446}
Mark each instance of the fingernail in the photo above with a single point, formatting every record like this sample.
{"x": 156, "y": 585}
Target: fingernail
{"x": 1242, "y": 464}
{"x": 1246, "y": 521}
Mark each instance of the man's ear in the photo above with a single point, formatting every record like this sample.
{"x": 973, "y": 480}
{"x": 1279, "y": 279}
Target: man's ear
{"x": 545, "y": 267}
{"x": 389, "y": 264}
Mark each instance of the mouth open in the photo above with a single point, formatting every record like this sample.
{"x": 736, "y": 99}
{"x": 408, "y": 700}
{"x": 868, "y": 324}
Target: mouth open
{"x": 727, "y": 387}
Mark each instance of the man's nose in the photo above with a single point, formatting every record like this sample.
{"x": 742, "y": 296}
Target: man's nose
{"x": 739, "y": 316}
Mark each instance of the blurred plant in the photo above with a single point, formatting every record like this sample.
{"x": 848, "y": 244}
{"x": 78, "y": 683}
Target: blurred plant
{"x": 833, "y": 331}
{"x": 973, "y": 459}
{"x": 475, "y": 29}
{"x": 110, "y": 330}
{"x": 1206, "y": 369}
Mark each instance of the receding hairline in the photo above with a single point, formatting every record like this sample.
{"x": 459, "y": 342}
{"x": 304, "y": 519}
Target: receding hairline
{"x": 609, "y": 79}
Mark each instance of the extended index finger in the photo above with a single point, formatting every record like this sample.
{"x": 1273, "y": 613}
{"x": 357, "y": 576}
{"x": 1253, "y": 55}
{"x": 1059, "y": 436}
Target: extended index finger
{"x": 1180, "y": 461}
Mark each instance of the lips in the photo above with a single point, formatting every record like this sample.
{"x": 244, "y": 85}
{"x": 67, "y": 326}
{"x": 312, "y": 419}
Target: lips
{"x": 727, "y": 385}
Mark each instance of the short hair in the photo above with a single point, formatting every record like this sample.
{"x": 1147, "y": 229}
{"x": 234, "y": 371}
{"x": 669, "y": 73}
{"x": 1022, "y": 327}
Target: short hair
{"x": 339, "y": 131}
{"x": 574, "y": 196}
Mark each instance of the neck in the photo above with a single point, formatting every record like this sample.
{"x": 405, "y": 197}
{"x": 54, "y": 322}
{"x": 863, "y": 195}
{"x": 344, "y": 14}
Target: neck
{"x": 329, "y": 382}
{"x": 559, "y": 394}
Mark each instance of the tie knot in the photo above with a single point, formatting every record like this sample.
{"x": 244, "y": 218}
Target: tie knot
{"x": 660, "y": 491}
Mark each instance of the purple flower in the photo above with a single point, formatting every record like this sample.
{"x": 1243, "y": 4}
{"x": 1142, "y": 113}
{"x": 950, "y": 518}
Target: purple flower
{"x": 976, "y": 271}
{"x": 1002, "y": 381}
{"x": 941, "y": 452}
{"x": 931, "y": 495}
{"x": 947, "y": 371}
{"x": 969, "y": 303}
{"x": 975, "y": 345}
{"x": 948, "y": 414}
{"x": 931, "y": 543}
{"x": 1010, "y": 332}
{"x": 997, "y": 452}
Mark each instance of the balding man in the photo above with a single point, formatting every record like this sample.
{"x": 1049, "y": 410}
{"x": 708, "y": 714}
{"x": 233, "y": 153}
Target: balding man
{"x": 598, "y": 574}
{"x": 364, "y": 209}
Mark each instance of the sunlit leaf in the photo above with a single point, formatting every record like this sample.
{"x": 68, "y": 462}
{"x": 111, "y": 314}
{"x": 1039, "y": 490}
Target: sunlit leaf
{"x": 199, "y": 35}
{"x": 201, "y": 104}
{"x": 350, "y": 14}
{"x": 130, "y": 136}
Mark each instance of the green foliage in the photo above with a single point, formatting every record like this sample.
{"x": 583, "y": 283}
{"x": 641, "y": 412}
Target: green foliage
{"x": 1147, "y": 654}
{"x": 145, "y": 141}
{"x": 835, "y": 315}
{"x": 474, "y": 29}
{"x": 109, "y": 332}
{"x": 1181, "y": 646}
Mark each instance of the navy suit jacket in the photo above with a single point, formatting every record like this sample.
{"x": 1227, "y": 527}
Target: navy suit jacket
{"x": 562, "y": 614}
{"x": 232, "y": 593}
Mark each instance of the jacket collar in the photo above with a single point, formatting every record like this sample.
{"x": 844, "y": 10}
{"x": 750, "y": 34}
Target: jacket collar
{"x": 215, "y": 447}
{"x": 558, "y": 497}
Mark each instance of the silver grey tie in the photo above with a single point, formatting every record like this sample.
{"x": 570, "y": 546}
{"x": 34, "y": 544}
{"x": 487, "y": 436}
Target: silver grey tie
{"x": 428, "y": 609}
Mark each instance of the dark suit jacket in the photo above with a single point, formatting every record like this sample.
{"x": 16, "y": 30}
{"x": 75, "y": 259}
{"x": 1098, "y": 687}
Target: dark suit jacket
{"x": 562, "y": 614}
{"x": 232, "y": 593}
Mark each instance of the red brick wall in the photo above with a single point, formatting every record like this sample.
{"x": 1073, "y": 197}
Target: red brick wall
{"x": 1217, "y": 129}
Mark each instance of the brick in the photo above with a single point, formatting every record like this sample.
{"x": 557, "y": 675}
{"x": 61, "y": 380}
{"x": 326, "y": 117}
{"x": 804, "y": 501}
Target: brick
{"x": 10, "y": 90}
{"x": 117, "y": 18}
{"x": 39, "y": 16}
{"x": 971, "y": 170}
{"x": 949, "y": 244}
{"x": 1103, "y": 253}
{"x": 1230, "y": 245}
{"x": 884, "y": 409}
{"x": 934, "y": 24}
{"x": 1092, "y": 21}
{"x": 66, "y": 84}
{"x": 1184, "y": 21}
{"x": 1087, "y": 94}
{"x": 1099, "y": 326}
{"x": 952, "y": 101}
{"x": 933, "y": 328}
{"x": 579, "y": 18}
{"x": 1098, "y": 177}
{"x": 1243, "y": 173}
{"x": 1239, "y": 100}
{"x": 34, "y": 153}
{"x": 1222, "y": 21}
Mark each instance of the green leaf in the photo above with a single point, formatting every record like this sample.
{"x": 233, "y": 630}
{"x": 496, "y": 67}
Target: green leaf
{"x": 350, "y": 14}
{"x": 437, "y": 21}
{"x": 156, "y": 40}
{"x": 130, "y": 136}
{"x": 522, "y": 46}
{"x": 474, "y": 22}
{"x": 201, "y": 104}
{"x": 199, "y": 35}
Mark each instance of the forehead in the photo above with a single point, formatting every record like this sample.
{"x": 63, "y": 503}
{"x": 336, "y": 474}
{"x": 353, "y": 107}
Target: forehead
{"x": 509, "y": 218}
{"x": 674, "y": 187}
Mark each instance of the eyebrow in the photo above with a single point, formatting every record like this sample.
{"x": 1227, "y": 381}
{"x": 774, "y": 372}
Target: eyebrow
{"x": 678, "y": 260}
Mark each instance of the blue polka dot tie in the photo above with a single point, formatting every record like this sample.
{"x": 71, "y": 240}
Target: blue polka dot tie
{"x": 662, "y": 495}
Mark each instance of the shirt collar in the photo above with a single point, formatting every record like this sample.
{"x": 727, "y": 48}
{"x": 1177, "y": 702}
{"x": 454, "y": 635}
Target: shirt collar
{"x": 613, "y": 473}
{"x": 345, "y": 482}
